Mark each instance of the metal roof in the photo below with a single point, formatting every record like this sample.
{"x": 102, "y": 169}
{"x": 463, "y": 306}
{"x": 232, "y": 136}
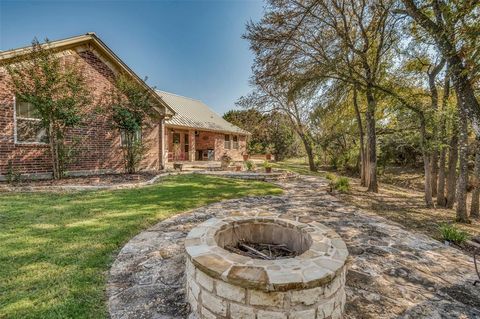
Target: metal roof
{"x": 195, "y": 114}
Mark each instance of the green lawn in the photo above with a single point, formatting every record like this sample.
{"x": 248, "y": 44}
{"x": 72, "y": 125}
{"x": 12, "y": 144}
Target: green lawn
{"x": 56, "y": 249}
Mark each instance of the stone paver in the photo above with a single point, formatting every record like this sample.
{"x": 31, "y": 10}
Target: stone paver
{"x": 393, "y": 273}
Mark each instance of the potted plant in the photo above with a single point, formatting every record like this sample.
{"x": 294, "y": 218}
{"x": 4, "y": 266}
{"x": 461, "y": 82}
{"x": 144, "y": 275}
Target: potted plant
{"x": 249, "y": 165}
{"x": 225, "y": 161}
{"x": 245, "y": 156}
{"x": 268, "y": 166}
{"x": 238, "y": 167}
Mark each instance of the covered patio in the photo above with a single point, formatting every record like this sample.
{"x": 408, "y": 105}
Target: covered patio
{"x": 196, "y": 133}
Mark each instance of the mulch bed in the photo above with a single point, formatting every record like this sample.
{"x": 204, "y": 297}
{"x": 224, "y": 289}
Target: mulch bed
{"x": 101, "y": 179}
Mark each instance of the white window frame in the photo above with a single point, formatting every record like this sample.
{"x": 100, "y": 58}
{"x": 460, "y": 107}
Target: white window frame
{"x": 227, "y": 144}
{"x": 15, "y": 135}
{"x": 235, "y": 144}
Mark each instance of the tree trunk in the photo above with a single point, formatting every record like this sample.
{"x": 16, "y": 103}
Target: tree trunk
{"x": 371, "y": 158}
{"x": 426, "y": 163}
{"x": 434, "y": 104}
{"x": 309, "y": 150}
{"x": 434, "y": 169}
{"x": 53, "y": 151}
{"x": 462, "y": 215}
{"x": 452, "y": 168}
{"x": 441, "y": 200}
{"x": 311, "y": 158}
{"x": 361, "y": 137}
{"x": 474, "y": 208}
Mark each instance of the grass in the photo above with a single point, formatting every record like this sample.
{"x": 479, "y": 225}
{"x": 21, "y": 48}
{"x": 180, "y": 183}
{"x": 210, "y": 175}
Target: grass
{"x": 400, "y": 203}
{"x": 56, "y": 249}
{"x": 453, "y": 234}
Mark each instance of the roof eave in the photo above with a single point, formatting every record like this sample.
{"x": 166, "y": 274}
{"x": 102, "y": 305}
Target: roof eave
{"x": 91, "y": 37}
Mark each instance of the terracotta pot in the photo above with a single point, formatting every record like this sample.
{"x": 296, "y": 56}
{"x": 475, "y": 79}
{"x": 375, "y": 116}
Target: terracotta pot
{"x": 245, "y": 157}
{"x": 238, "y": 168}
{"x": 268, "y": 157}
{"x": 268, "y": 169}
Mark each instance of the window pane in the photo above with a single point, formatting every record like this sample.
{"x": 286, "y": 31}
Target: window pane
{"x": 30, "y": 131}
{"x": 227, "y": 138}
{"x": 235, "y": 138}
{"x": 176, "y": 138}
{"x": 26, "y": 110}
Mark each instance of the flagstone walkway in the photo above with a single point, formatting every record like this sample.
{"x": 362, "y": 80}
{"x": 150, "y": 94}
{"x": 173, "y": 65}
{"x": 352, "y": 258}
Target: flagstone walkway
{"x": 393, "y": 273}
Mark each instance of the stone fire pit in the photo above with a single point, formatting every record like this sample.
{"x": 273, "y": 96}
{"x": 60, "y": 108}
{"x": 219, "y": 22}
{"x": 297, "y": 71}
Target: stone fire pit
{"x": 223, "y": 284}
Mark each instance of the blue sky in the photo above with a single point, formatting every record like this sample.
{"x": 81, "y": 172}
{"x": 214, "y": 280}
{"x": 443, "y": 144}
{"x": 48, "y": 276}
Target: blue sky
{"x": 191, "y": 48}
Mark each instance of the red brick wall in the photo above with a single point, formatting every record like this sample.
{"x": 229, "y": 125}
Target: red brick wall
{"x": 98, "y": 145}
{"x": 211, "y": 140}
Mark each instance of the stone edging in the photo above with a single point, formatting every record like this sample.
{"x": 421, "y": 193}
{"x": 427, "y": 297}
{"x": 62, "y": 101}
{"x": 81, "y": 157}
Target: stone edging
{"x": 274, "y": 176}
{"x": 71, "y": 188}
{"x": 67, "y": 188}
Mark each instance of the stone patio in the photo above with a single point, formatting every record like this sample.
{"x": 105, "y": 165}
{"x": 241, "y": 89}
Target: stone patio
{"x": 393, "y": 273}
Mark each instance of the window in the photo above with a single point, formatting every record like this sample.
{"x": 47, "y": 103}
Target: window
{"x": 227, "y": 142}
{"x": 28, "y": 124}
{"x": 235, "y": 142}
{"x": 176, "y": 138}
{"x": 186, "y": 144}
{"x": 136, "y": 138}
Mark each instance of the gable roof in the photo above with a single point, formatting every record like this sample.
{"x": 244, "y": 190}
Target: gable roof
{"x": 92, "y": 42}
{"x": 195, "y": 114}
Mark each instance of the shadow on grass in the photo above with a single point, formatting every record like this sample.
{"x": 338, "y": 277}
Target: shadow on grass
{"x": 56, "y": 248}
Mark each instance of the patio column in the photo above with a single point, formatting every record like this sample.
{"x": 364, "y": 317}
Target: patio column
{"x": 192, "y": 149}
{"x": 163, "y": 144}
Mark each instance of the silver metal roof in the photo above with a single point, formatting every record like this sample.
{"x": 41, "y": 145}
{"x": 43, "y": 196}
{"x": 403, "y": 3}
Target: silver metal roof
{"x": 191, "y": 113}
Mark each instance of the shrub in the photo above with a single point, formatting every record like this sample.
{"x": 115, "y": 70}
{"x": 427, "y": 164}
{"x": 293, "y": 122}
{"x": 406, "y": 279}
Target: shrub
{"x": 267, "y": 164}
{"x": 342, "y": 184}
{"x": 452, "y": 234}
{"x": 249, "y": 165}
{"x": 12, "y": 177}
{"x": 330, "y": 177}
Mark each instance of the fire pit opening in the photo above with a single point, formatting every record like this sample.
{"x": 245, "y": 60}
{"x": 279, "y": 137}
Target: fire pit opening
{"x": 265, "y": 267}
{"x": 266, "y": 240}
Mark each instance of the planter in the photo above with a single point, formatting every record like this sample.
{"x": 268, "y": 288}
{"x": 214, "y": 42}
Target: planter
{"x": 268, "y": 169}
{"x": 245, "y": 157}
{"x": 178, "y": 166}
{"x": 268, "y": 157}
{"x": 238, "y": 168}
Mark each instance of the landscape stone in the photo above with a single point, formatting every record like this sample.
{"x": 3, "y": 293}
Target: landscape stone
{"x": 414, "y": 276}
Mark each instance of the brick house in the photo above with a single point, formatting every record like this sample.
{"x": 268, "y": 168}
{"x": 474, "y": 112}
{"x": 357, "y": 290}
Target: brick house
{"x": 173, "y": 133}
{"x": 196, "y": 133}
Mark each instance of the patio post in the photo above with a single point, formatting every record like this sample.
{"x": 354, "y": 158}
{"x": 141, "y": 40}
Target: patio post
{"x": 191, "y": 151}
{"x": 163, "y": 143}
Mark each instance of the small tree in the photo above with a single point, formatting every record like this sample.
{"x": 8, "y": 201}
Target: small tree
{"x": 56, "y": 89}
{"x": 131, "y": 105}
